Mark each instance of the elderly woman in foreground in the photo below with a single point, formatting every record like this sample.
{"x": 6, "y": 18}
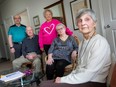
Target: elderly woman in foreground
{"x": 93, "y": 57}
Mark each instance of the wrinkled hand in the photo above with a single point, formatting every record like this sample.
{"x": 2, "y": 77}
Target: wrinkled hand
{"x": 29, "y": 57}
{"x": 75, "y": 36}
{"x": 50, "y": 61}
{"x": 12, "y": 50}
{"x": 34, "y": 55}
{"x": 58, "y": 80}
{"x": 74, "y": 55}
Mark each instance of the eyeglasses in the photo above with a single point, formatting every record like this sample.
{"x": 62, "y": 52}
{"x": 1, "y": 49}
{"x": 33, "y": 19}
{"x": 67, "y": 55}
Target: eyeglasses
{"x": 17, "y": 18}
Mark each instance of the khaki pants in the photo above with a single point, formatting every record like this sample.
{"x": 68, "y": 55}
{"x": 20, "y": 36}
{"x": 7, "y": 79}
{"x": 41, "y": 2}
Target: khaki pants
{"x": 19, "y": 61}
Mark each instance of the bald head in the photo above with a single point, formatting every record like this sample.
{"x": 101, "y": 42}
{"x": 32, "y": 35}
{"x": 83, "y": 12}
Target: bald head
{"x": 17, "y": 16}
{"x": 29, "y": 31}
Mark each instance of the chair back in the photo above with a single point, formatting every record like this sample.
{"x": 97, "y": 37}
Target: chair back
{"x": 113, "y": 62}
{"x": 72, "y": 66}
{"x": 77, "y": 39}
{"x": 113, "y": 78}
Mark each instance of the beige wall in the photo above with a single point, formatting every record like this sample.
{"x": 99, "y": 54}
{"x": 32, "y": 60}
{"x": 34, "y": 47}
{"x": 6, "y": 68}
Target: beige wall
{"x": 35, "y": 7}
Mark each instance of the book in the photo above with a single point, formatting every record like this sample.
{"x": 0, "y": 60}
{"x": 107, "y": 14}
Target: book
{"x": 12, "y": 76}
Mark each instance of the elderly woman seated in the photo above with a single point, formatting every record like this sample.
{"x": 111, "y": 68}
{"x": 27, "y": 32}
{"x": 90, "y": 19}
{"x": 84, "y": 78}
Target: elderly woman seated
{"x": 60, "y": 53}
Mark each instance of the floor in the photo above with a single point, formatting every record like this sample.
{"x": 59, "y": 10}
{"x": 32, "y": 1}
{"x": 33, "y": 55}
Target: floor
{"x": 5, "y": 64}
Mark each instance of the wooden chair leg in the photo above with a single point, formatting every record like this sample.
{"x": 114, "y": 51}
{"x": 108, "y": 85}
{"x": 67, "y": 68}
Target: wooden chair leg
{"x": 42, "y": 63}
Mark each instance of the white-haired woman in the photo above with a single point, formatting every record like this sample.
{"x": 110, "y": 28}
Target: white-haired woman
{"x": 63, "y": 48}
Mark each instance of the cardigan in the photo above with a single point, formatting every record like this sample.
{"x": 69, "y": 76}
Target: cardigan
{"x": 93, "y": 65}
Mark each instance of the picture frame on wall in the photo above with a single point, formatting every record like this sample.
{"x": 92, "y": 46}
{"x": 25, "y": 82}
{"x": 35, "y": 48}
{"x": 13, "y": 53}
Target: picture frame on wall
{"x": 60, "y": 19}
{"x": 36, "y": 20}
{"x": 75, "y": 6}
{"x": 37, "y": 30}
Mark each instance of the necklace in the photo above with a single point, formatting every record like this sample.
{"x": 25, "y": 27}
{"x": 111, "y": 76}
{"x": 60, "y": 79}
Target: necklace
{"x": 82, "y": 53}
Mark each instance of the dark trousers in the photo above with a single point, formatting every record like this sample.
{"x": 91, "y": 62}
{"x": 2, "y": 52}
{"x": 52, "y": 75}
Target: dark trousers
{"x": 56, "y": 68}
{"x": 18, "y": 50}
{"x": 46, "y": 48}
{"x": 50, "y": 83}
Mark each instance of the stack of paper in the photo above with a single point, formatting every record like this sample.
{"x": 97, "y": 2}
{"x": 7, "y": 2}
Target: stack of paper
{"x": 12, "y": 76}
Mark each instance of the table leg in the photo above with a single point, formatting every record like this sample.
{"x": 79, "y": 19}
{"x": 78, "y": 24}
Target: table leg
{"x": 22, "y": 82}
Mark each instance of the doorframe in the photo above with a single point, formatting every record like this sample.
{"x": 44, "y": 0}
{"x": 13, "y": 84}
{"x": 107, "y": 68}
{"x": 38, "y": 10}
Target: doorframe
{"x": 27, "y": 10}
{"x": 5, "y": 39}
{"x": 101, "y": 17}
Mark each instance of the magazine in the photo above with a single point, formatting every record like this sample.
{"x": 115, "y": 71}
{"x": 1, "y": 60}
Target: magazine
{"x": 12, "y": 76}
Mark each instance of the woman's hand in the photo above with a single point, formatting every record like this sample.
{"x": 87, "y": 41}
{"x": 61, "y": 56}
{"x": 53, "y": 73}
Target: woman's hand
{"x": 42, "y": 49}
{"x": 50, "y": 61}
{"x": 74, "y": 55}
{"x": 58, "y": 80}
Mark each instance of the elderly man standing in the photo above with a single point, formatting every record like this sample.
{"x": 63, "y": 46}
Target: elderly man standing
{"x": 31, "y": 52}
{"x": 16, "y": 34}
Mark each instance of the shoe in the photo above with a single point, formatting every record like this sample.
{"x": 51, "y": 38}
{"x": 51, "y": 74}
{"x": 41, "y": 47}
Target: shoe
{"x": 37, "y": 80}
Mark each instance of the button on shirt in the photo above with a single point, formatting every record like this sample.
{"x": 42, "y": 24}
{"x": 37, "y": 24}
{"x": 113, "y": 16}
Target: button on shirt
{"x": 18, "y": 32}
{"x": 30, "y": 45}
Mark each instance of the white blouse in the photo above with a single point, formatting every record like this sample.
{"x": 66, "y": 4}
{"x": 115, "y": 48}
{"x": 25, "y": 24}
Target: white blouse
{"x": 93, "y": 63}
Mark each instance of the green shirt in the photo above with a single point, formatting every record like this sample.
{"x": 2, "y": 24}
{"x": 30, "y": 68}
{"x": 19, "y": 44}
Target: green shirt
{"x": 18, "y": 32}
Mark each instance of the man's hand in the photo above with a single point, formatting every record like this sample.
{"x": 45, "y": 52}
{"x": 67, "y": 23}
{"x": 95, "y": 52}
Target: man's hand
{"x": 31, "y": 56}
{"x": 12, "y": 50}
{"x": 34, "y": 55}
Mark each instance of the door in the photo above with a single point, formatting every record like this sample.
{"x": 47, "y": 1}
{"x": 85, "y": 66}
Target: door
{"x": 109, "y": 14}
{"x": 24, "y": 17}
{"x": 8, "y": 22}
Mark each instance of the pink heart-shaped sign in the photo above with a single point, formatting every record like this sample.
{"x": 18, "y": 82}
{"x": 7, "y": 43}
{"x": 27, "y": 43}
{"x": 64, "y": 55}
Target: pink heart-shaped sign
{"x": 49, "y": 29}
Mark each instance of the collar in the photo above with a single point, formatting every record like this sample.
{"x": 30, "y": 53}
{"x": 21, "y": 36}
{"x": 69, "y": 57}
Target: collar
{"x": 32, "y": 37}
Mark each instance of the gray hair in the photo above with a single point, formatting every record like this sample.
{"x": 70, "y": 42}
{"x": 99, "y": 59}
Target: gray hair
{"x": 47, "y": 10}
{"x": 60, "y": 24}
{"x": 16, "y": 16}
{"x": 83, "y": 11}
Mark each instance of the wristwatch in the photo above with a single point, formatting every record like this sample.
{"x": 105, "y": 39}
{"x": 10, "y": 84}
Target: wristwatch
{"x": 11, "y": 47}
